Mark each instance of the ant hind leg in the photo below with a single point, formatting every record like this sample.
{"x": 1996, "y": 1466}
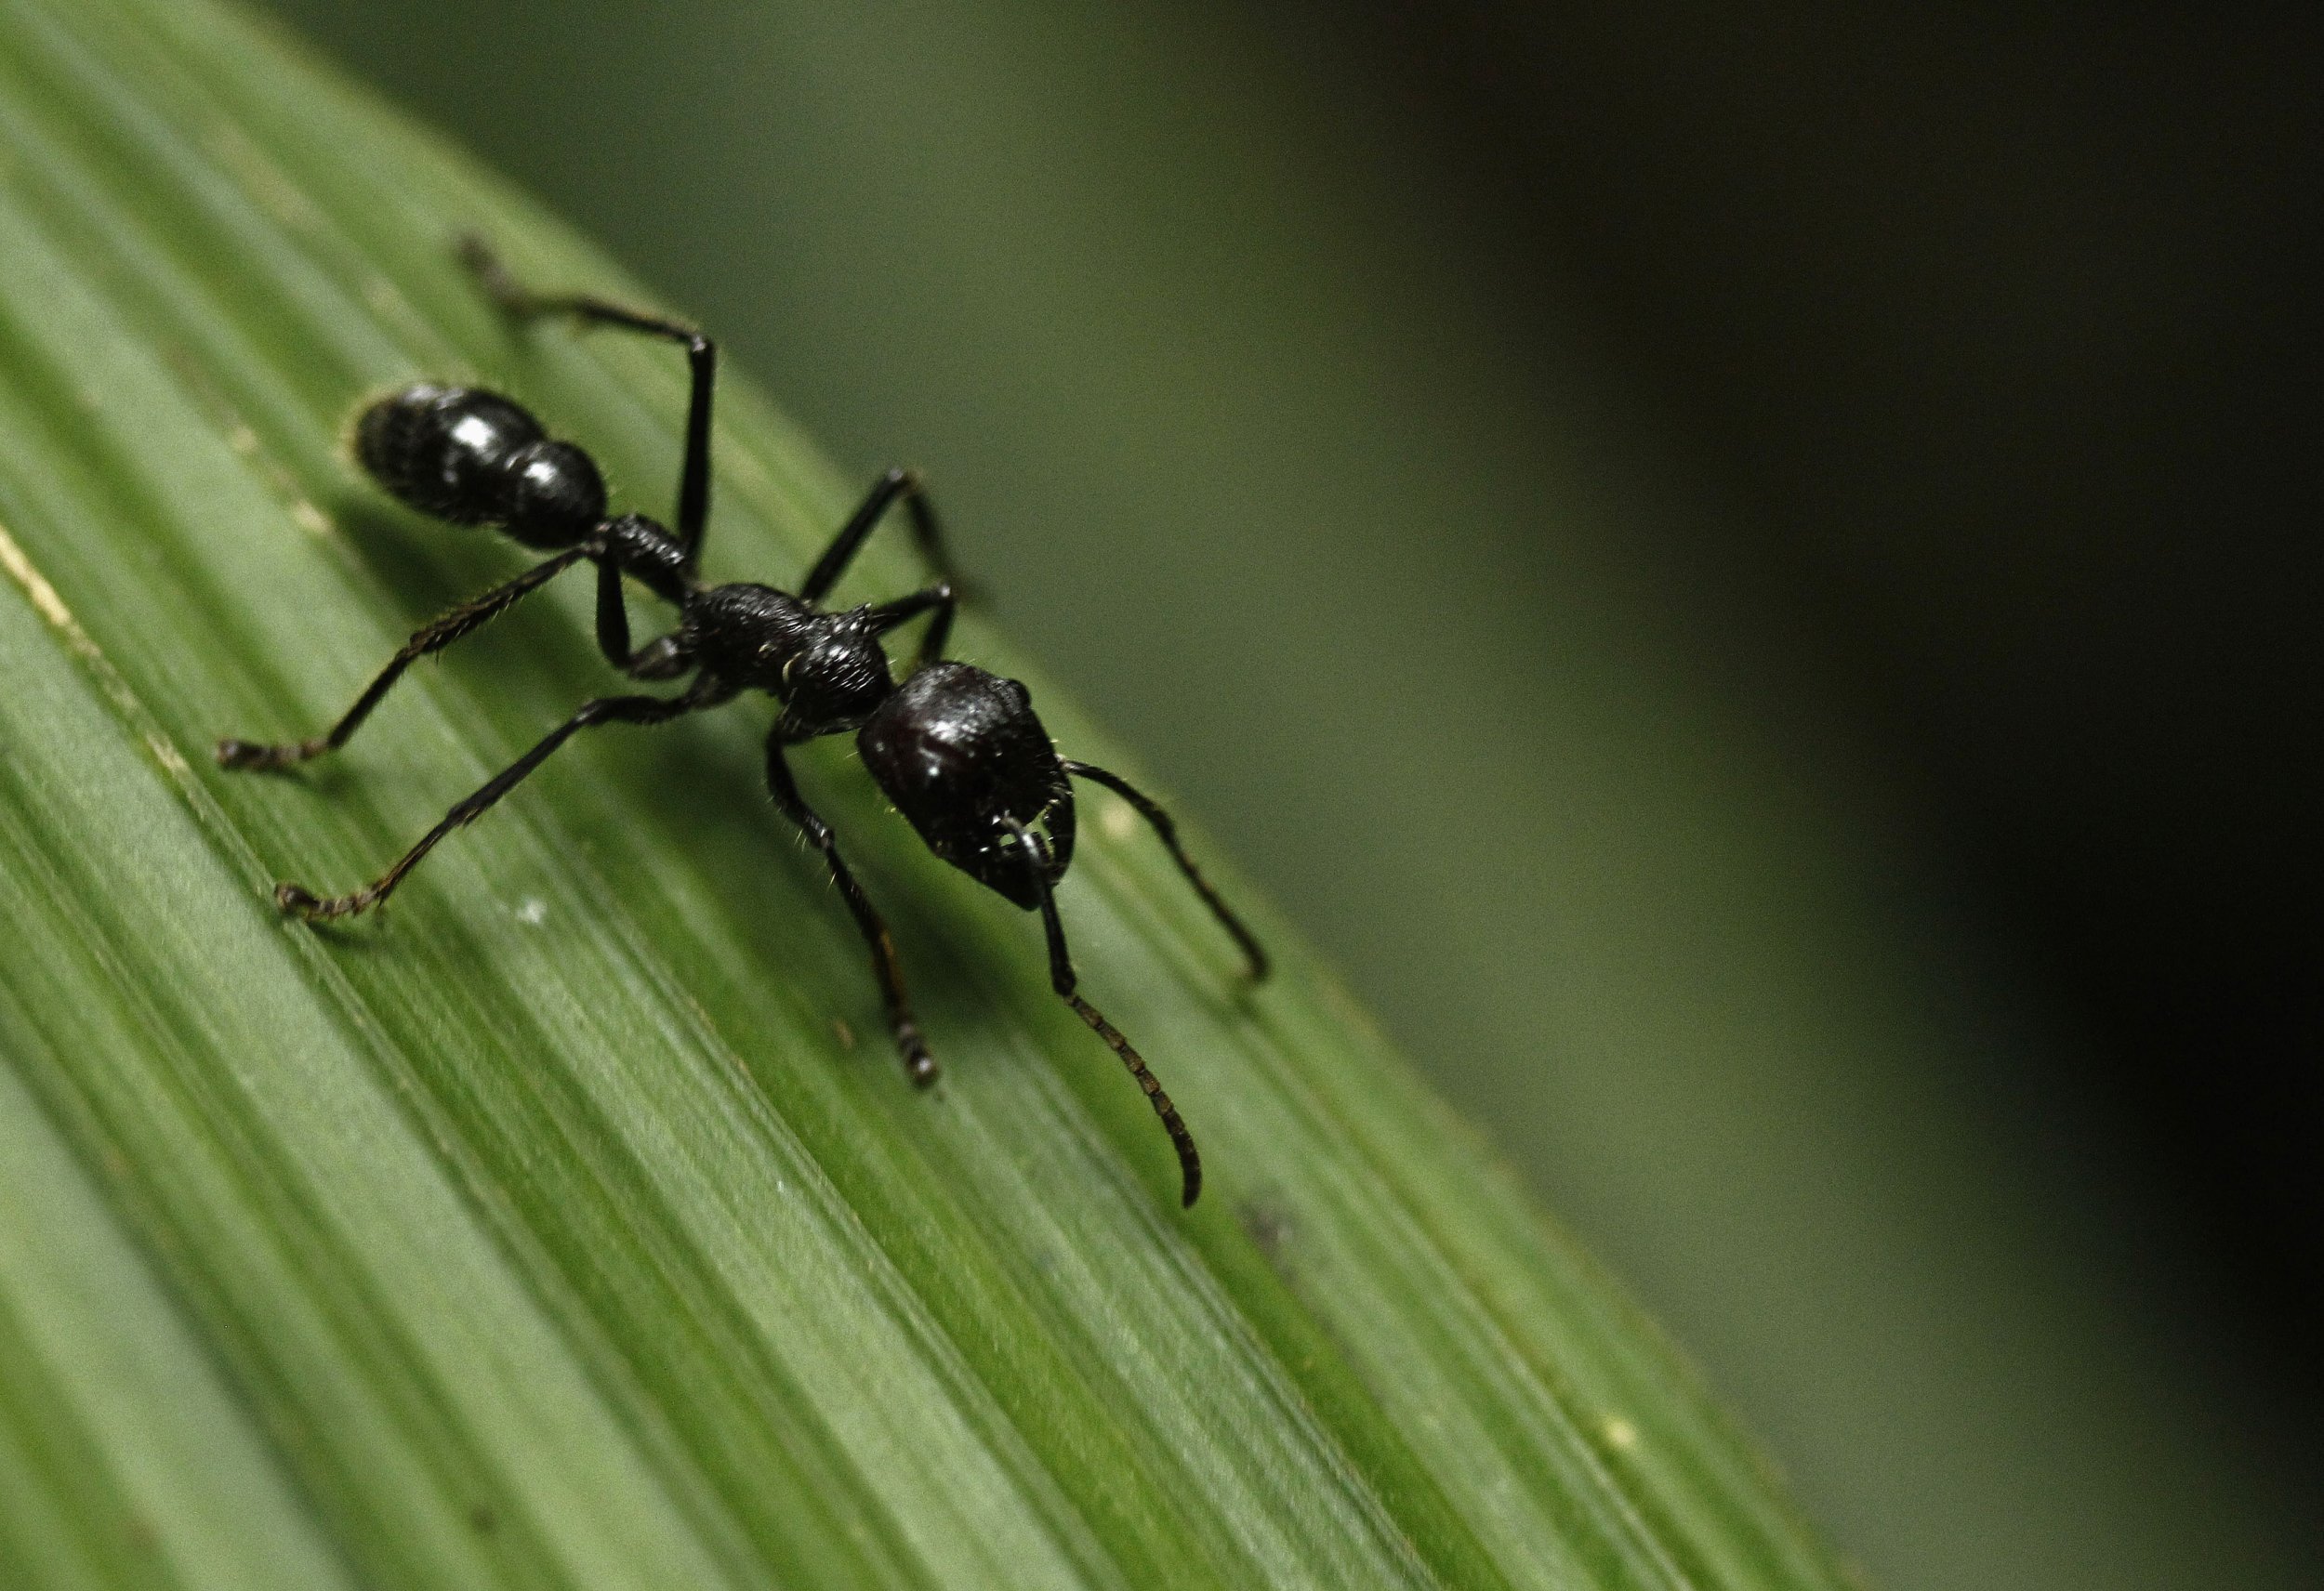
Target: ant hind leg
{"x": 461, "y": 621}
{"x": 702, "y": 362}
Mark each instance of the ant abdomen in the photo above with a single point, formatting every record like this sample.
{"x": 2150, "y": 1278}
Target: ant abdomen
{"x": 472, "y": 458}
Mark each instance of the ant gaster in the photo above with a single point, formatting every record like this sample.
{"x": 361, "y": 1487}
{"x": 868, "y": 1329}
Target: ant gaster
{"x": 957, "y": 750}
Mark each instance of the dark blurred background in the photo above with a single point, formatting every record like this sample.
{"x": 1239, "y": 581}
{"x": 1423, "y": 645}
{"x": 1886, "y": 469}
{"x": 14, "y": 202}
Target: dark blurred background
{"x": 1749, "y": 571}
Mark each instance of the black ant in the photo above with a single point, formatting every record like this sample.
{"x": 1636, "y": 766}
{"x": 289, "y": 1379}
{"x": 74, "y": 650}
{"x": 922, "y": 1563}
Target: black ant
{"x": 958, "y": 750}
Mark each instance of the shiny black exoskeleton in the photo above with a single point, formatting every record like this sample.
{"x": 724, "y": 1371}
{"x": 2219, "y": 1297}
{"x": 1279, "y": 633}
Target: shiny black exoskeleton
{"x": 475, "y": 458}
{"x": 962, "y": 756}
{"x": 958, "y": 750}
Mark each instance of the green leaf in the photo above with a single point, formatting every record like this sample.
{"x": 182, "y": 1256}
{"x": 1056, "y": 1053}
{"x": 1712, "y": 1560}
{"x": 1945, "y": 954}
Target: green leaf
{"x": 569, "y": 1224}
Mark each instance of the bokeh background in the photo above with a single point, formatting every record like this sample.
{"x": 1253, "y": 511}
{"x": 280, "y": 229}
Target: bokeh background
{"x": 1749, "y": 571}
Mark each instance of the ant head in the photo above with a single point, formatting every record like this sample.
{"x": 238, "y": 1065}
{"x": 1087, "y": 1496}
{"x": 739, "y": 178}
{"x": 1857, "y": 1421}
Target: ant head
{"x": 962, "y": 755}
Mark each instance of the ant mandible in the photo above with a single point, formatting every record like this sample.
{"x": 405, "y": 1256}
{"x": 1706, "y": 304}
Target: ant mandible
{"x": 957, "y": 749}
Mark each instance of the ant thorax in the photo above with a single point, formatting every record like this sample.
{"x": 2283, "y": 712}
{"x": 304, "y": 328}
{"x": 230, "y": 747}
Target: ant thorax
{"x": 828, "y": 670}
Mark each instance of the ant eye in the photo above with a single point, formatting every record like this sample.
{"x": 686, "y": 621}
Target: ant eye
{"x": 1017, "y": 688}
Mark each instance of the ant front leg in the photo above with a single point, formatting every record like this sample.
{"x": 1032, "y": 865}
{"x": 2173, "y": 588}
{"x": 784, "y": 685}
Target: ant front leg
{"x": 918, "y": 1064}
{"x": 460, "y": 620}
{"x": 903, "y": 610}
{"x": 605, "y": 710}
{"x": 1063, "y": 978}
{"x": 702, "y": 362}
{"x": 897, "y": 484}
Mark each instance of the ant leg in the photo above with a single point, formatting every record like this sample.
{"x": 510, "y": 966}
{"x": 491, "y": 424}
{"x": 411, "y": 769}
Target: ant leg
{"x": 665, "y": 657}
{"x": 1063, "y": 978}
{"x": 460, "y": 620}
{"x": 702, "y": 362}
{"x": 904, "y": 483}
{"x": 888, "y": 615}
{"x": 918, "y": 1064}
{"x": 613, "y": 627}
{"x": 1169, "y": 832}
{"x": 605, "y": 710}
{"x": 612, "y": 618}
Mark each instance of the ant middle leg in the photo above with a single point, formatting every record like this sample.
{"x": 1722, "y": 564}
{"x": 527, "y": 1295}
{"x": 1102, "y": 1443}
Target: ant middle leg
{"x": 702, "y": 362}
{"x": 1149, "y": 809}
{"x": 604, "y": 710}
{"x": 897, "y": 484}
{"x": 887, "y": 968}
{"x": 1063, "y": 978}
{"x": 461, "y": 621}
